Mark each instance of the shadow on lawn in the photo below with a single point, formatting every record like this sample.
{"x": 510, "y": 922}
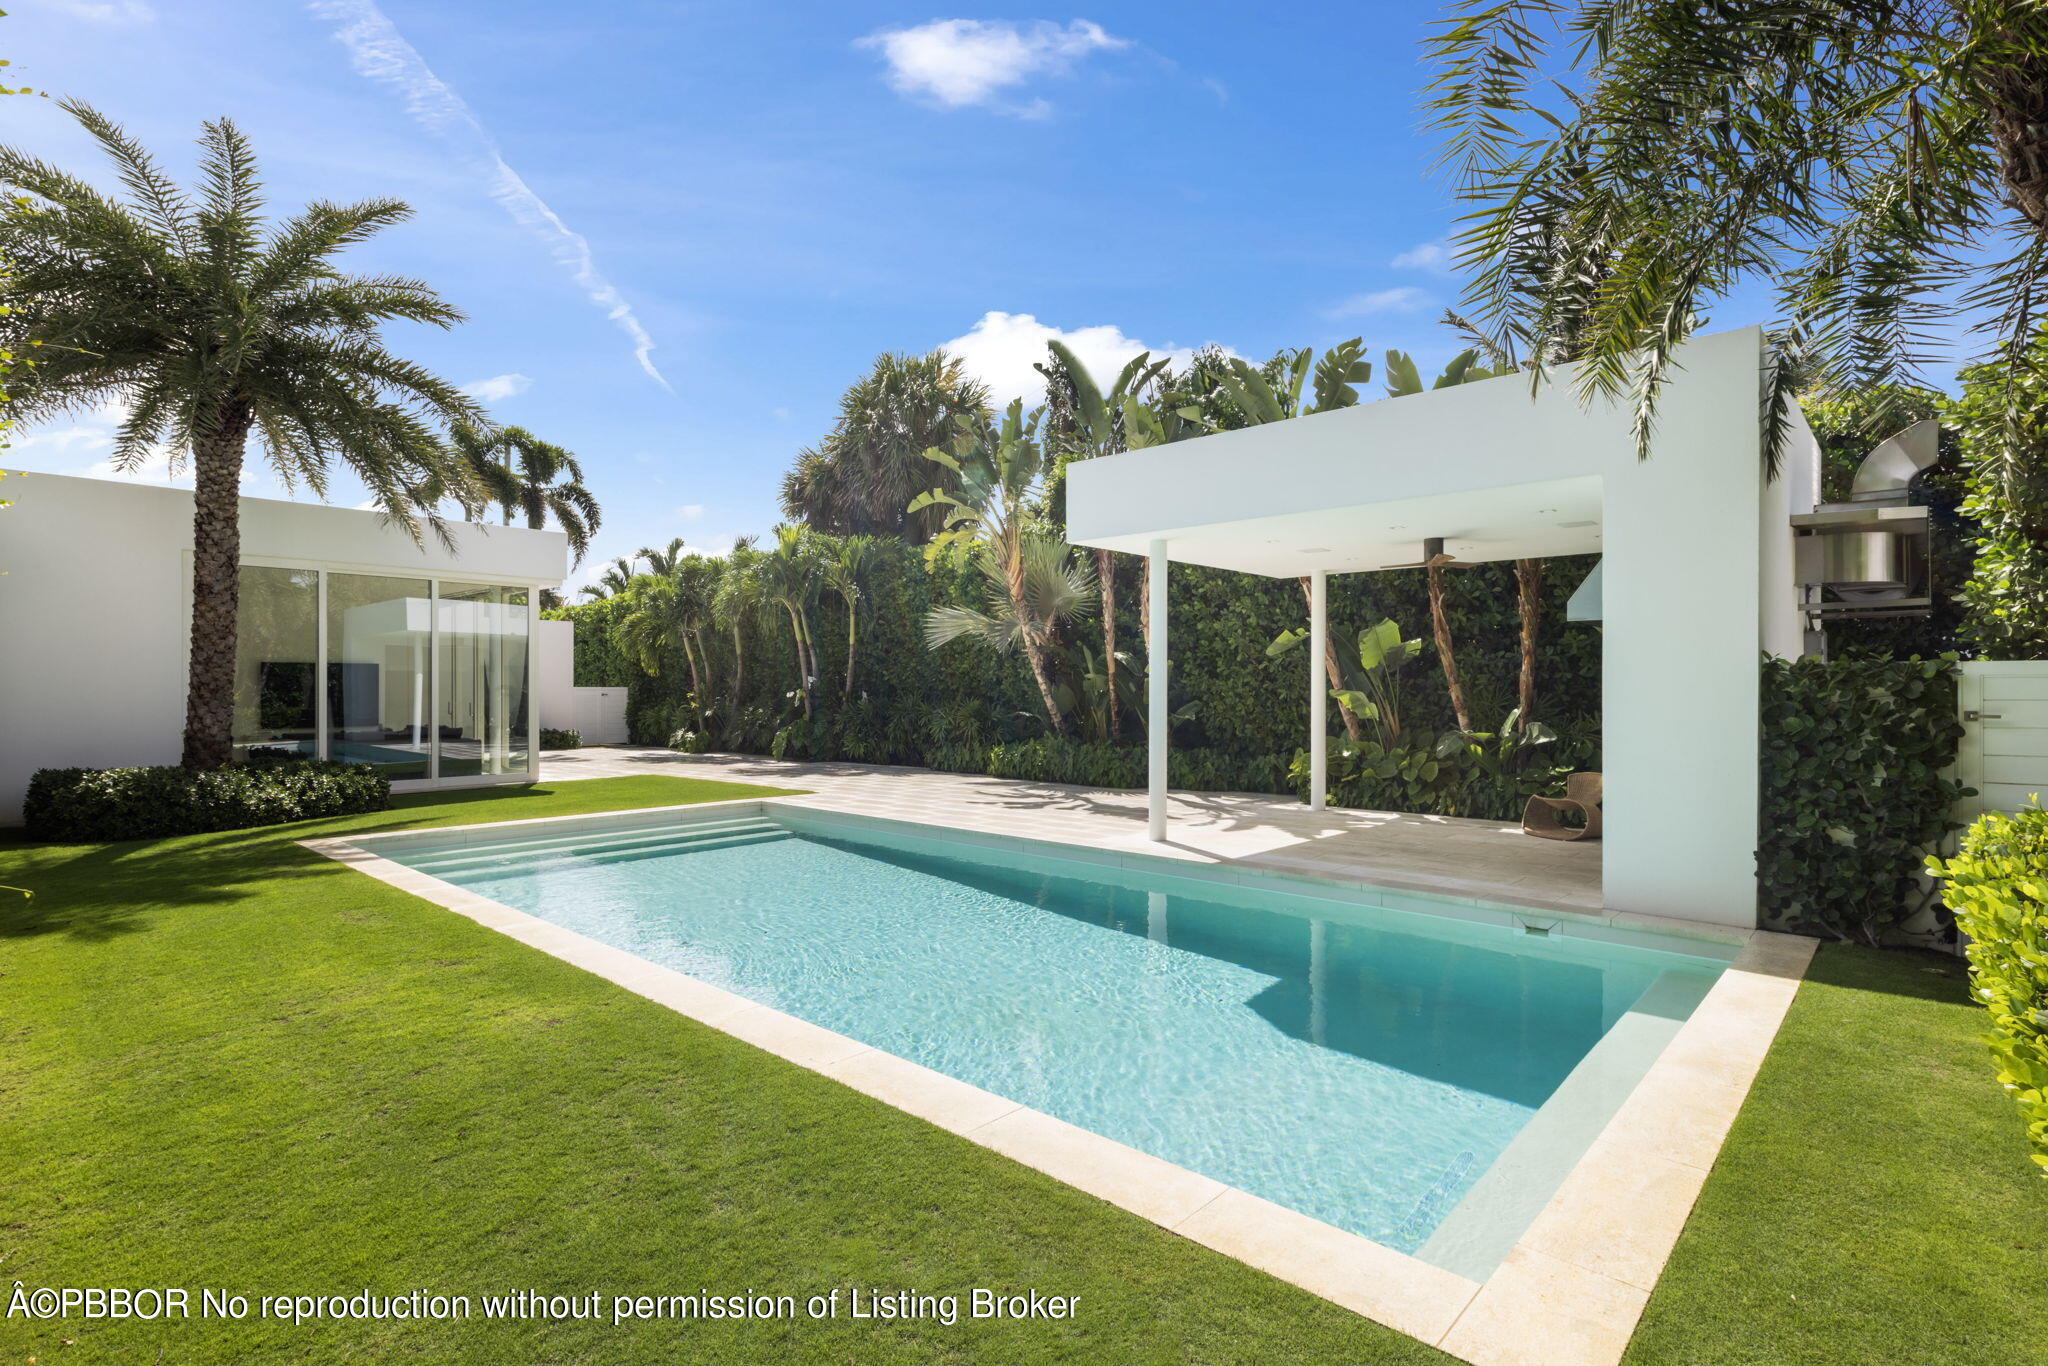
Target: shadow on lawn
{"x": 1917, "y": 974}
{"x": 102, "y": 891}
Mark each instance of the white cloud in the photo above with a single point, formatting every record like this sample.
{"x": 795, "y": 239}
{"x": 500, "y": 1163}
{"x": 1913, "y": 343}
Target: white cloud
{"x": 959, "y": 62}
{"x": 381, "y": 53}
{"x": 85, "y": 447}
{"x": 1001, "y": 349}
{"x": 1402, "y": 299}
{"x": 498, "y": 388}
{"x": 104, "y": 11}
{"x": 689, "y": 512}
{"x": 1425, "y": 256}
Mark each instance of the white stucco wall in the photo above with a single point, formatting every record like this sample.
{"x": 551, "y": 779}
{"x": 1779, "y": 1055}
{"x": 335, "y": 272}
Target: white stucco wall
{"x": 554, "y": 683}
{"x": 95, "y": 604}
{"x": 1688, "y": 603}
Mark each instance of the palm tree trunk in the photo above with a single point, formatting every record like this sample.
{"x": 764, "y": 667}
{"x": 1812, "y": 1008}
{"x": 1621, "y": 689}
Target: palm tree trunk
{"x": 2014, "y": 77}
{"x": 1035, "y": 654}
{"x": 216, "y": 590}
{"x": 1105, "y": 574}
{"x": 696, "y": 681}
{"x": 1013, "y": 580}
{"x": 739, "y": 665}
{"x": 1334, "y": 671}
{"x": 1529, "y": 580}
{"x": 803, "y": 673}
{"x": 1442, "y": 626}
{"x": 852, "y": 634}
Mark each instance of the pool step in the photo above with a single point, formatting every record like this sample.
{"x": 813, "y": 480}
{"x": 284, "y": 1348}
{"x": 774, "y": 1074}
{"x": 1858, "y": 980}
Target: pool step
{"x": 531, "y": 852}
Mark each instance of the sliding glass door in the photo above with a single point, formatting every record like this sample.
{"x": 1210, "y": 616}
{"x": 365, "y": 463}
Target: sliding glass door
{"x": 481, "y": 657}
{"x": 379, "y": 635}
{"x": 277, "y": 654}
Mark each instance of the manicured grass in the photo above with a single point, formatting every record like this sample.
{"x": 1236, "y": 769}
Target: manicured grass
{"x": 1874, "y": 1202}
{"x": 226, "y": 1062}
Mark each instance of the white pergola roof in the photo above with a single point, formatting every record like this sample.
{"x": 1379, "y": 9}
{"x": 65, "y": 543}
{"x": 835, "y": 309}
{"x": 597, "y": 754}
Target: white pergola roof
{"x": 1696, "y": 580}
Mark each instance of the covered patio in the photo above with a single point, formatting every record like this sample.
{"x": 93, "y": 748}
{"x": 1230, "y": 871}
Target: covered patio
{"x": 1697, "y": 577}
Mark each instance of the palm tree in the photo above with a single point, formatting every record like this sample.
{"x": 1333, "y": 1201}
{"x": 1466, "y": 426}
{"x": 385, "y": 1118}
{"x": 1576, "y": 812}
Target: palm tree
{"x": 861, "y": 478}
{"x": 522, "y": 474}
{"x": 211, "y": 327}
{"x": 737, "y": 601}
{"x": 997, "y": 477}
{"x": 666, "y": 615}
{"x": 663, "y": 561}
{"x": 788, "y": 577}
{"x": 616, "y": 578}
{"x": 1403, "y": 379}
{"x": 1861, "y": 157}
{"x": 846, "y": 573}
{"x": 1091, "y": 424}
{"x": 1028, "y": 600}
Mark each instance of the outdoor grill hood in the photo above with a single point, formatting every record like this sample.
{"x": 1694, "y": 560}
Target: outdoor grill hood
{"x": 1867, "y": 555}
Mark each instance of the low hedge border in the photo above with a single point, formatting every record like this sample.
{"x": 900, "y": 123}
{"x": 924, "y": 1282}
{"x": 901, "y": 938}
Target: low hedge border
{"x": 551, "y": 738}
{"x": 1997, "y": 885}
{"x": 88, "y": 805}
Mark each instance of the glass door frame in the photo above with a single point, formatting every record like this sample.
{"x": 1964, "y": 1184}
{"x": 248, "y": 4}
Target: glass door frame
{"x": 323, "y": 727}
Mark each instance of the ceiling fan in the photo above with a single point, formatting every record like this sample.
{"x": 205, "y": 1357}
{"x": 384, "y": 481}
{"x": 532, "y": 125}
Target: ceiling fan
{"x": 1433, "y": 557}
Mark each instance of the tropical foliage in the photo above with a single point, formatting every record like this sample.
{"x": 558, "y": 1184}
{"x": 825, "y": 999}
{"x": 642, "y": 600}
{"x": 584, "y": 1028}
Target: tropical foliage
{"x": 1627, "y": 166}
{"x": 1997, "y": 887}
{"x": 862, "y": 477}
{"x": 2001, "y": 416}
{"x": 212, "y": 327}
{"x": 518, "y": 473}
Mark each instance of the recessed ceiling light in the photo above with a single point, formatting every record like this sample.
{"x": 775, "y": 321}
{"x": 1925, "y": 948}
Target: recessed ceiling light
{"x": 1576, "y": 524}
{"x": 1315, "y": 550}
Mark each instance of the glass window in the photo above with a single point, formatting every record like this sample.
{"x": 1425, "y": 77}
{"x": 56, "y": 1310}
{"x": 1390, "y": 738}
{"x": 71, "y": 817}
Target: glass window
{"x": 377, "y": 672}
{"x": 483, "y": 703}
{"x": 277, "y": 649}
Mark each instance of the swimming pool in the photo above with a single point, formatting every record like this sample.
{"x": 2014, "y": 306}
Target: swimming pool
{"x": 1420, "y": 1080}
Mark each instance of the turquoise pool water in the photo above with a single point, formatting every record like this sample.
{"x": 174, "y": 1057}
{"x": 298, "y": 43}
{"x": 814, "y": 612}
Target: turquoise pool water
{"x": 1361, "y": 1066}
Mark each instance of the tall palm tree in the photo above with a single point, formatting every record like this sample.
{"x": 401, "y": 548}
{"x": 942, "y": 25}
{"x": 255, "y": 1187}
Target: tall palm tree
{"x": 736, "y": 602}
{"x": 616, "y": 578}
{"x": 788, "y": 577}
{"x": 997, "y": 477}
{"x": 535, "y": 479}
{"x": 1881, "y": 164}
{"x": 862, "y": 477}
{"x": 665, "y": 560}
{"x": 212, "y": 327}
{"x": 1090, "y": 423}
{"x": 846, "y": 573}
{"x": 666, "y": 616}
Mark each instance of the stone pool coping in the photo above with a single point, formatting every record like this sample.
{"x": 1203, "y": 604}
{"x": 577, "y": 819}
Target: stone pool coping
{"x": 1571, "y": 1289}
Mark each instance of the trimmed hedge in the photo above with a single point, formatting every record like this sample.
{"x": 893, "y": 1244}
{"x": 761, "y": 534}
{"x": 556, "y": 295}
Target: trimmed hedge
{"x": 82, "y": 805}
{"x": 1853, "y": 792}
{"x": 1997, "y": 885}
{"x": 550, "y": 738}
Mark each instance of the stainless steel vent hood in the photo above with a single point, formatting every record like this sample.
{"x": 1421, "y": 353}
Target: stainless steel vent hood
{"x": 1867, "y": 555}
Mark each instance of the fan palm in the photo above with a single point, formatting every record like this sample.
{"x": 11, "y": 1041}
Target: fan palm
{"x": 1028, "y": 600}
{"x": 521, "y": 474}
{"x": 211, "y": 327}
{"x": 863, "y": 475}
{"x": 1883, "y": 163}
{"x": 997, "y": 477}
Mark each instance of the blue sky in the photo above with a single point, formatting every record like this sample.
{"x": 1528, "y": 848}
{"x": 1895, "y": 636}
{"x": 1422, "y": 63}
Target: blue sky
{"x": 767, "y": 195}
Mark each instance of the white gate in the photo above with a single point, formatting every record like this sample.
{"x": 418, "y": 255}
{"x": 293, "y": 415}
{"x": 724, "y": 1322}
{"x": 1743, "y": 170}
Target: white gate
{"x": 2004, "y": 751}
{"x": 601, "y": 715}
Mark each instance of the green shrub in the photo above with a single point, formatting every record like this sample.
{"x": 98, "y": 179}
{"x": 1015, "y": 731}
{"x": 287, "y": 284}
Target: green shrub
{"x": 550, "y": 738}
{"x": 1853, "y": 795}
{"x": 78, "y": 805}
{"x": 1997, "y": 886}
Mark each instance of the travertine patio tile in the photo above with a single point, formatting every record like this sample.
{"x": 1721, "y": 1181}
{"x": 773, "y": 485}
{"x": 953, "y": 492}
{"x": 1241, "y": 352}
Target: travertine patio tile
{"x": 1139, "y": 1182}
{"x": 1417, "y": 1299}
{"x": 1619, "y": 1213}
{"x": 1538, "y": 1311}
{"x": 799, "y": 1041}
{"x": 931, "y": 1096}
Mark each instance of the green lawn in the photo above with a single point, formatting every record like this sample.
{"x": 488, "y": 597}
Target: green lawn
{"x": 230, "y": 1063}
{"x": 1874, "y": 1202}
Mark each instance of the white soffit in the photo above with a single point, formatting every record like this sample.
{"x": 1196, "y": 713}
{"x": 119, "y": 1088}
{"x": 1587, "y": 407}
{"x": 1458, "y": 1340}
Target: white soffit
{"x": 1555, "y": 517}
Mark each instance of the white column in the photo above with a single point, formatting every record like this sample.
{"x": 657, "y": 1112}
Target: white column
{"x": 1318, "y": 690}
{"x": 1155, "y": 688}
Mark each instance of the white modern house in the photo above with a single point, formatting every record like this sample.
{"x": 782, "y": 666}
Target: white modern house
{"x": 1697, "y": 576}
{"x": 354, "y": 642}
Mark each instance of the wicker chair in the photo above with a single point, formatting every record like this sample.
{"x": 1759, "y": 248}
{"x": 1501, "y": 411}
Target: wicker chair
{"x": 1581, "y": 794}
